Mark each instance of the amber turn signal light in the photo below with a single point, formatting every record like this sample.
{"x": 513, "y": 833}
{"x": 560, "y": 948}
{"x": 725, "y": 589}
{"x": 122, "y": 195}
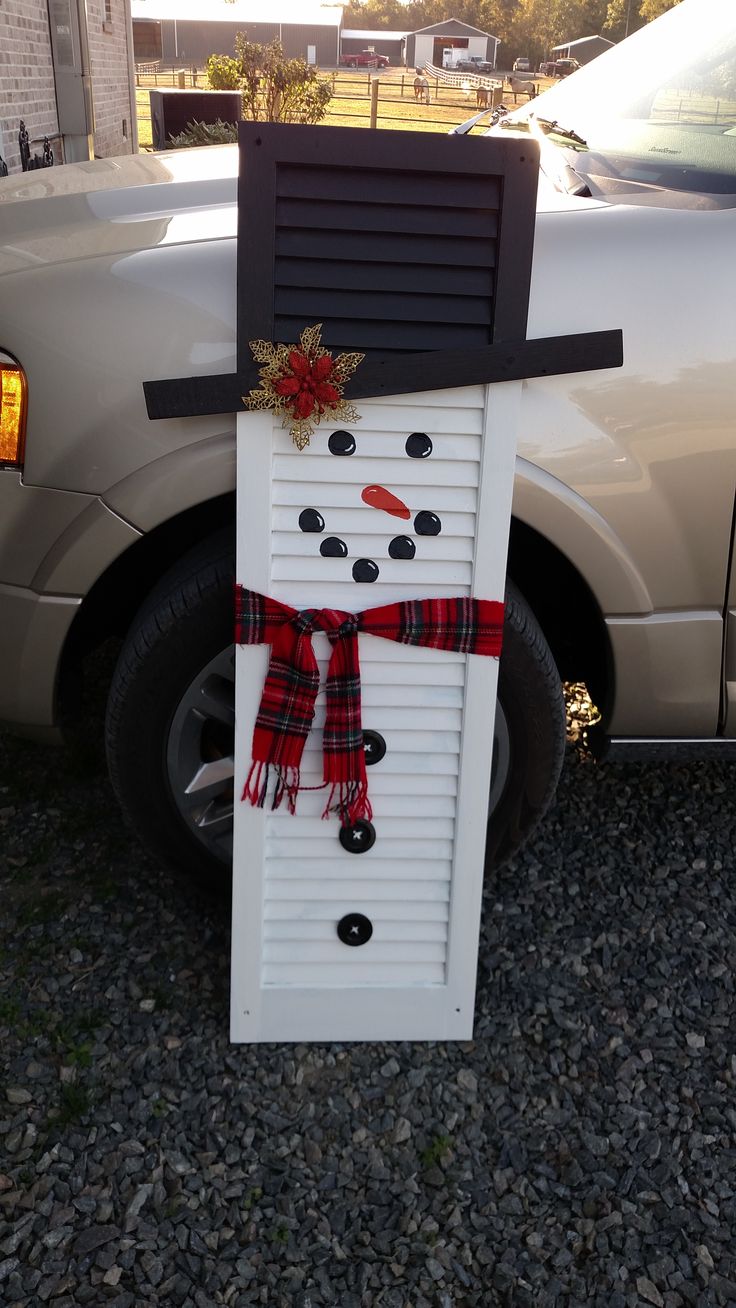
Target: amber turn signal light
{"x": 12, "y": 413}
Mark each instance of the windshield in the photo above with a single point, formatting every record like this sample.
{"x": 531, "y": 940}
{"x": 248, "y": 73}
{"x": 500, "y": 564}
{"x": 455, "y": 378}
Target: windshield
{"x": 659, "y": 110}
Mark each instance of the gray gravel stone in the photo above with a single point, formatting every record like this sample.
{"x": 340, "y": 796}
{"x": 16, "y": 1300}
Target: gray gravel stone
{"x": 16, "y": 1094}
{"x": 93, "y": 1237}
{"x": 578, "y": 1152}
{"x": 649, "y": 1292}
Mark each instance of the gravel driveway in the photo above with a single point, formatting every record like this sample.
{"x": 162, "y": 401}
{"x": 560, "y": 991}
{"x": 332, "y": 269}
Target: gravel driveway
{"x": 580, "y": 1151}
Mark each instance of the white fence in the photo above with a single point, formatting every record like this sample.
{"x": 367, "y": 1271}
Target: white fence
{"x": 447, "y": 77}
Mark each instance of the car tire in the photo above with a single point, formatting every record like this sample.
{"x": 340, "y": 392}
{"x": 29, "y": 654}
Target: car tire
{"x": 170, "y": 720}
{"x": 530, "y": 728}
{"x": 185, "y": 621}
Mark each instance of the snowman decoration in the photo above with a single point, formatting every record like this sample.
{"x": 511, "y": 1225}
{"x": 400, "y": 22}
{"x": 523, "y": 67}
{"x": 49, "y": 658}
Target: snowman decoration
{"x": 374, "y": 501}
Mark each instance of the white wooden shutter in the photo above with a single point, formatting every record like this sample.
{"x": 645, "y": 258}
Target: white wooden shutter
{"x": 420, "y": 885}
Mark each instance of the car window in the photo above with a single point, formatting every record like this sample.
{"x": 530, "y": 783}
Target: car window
{"x": 657, "y": 110}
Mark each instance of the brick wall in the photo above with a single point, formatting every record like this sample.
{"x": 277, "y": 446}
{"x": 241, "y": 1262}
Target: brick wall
{"x": 27, "y": 87}
{"x": 26, "y": 76}
{"x": 108, "y": 53}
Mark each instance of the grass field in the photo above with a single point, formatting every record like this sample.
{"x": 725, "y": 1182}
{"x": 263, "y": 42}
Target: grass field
{"x": 450, "y": 106}
{"x": 350, "y": 104}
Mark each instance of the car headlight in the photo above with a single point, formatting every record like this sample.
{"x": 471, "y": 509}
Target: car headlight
{"x": 13, "y": 392}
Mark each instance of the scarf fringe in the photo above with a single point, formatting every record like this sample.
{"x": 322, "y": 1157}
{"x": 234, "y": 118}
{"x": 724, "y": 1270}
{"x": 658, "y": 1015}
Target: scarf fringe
{"x": 288, "y": 781}
{"x": 256, "y": 786}
{"x": 349, "y": 799}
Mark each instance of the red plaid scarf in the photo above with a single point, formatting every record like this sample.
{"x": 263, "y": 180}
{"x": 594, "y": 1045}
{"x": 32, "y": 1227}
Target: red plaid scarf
{"x": 467, "y": 626}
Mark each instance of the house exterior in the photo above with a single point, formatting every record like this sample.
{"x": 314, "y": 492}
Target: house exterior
{"x": 66, "y": 70}
{"x": 175, "y": 32}
{"x": 583, "y": 49}
{"x": 428, "y": 44}
{"x": 390, "y": 44}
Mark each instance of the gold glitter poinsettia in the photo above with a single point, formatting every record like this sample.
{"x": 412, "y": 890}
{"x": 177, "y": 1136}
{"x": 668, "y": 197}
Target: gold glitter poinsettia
{"x": 304, "y": 383}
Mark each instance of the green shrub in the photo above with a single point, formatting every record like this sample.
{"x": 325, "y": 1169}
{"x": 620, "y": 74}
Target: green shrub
{"x": 223, "y": 73}
{"x": 218, "y": 133}
{"x": 277, "y": 89}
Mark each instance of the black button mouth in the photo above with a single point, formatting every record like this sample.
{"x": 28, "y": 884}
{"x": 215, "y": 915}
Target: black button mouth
{"x": 365, "y": 570}
{"x": 311, "y": 520}
{"x": 333, "y": 548}
{"x": 402, "y": 547}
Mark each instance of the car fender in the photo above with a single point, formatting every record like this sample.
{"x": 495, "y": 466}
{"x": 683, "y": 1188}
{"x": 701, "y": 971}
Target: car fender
{"x": 180, "y": 480}
{"x": 567, "y": 521}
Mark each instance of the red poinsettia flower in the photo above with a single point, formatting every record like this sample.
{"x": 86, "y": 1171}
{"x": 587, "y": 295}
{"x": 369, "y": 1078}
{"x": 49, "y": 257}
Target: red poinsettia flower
{"x": 306, "y": 387}
{"x": 299, "y": 363}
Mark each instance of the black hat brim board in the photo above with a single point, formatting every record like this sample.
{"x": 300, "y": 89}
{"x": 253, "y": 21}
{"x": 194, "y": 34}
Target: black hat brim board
{"x": 414, "y": 249}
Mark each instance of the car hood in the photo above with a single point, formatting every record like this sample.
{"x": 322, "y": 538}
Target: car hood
{"x": 118, "y": 206}
{"x": 114, "y": 206}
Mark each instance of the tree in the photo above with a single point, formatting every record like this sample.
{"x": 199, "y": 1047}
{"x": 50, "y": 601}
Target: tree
{"x": 655, "y": 8}
{"x": 276, "y": 89}
{"x": 223, "y": 73}
{"x": 622, "y": 17}
{"x": 541, "y": 24}
{"x": 626, "y": 16}
{"x": 488, "y": 15}
{"x": 386, "y": 15}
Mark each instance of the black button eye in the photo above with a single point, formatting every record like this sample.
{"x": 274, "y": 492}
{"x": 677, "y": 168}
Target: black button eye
{"x": 311, "y": 520}
{"x": 365, "y": 570}
{"x": 418, "y": 445}
{"x": 402, "y": 547}
{"x": 333, "y": 548}
{"x": 427, "y": 524}
{"x": 341, "y": 442}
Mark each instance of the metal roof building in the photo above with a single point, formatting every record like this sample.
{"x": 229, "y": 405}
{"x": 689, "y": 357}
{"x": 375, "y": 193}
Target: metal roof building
{"x": 390, "y": 44}
{"x": 176, "y": 32}
{"x": 426, "y": 46}
{"x": 584, "y": 48}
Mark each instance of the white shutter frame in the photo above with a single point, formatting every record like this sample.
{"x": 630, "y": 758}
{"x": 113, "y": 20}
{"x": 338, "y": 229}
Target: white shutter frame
{"x": 355, "y": 1000}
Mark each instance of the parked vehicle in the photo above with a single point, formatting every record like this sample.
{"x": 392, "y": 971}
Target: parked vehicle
{"x": 558, "y": 67}
{"x": 365, "y": 59}
{"x": 521, "y": 65}
{"x": 621, "y": 550}
{"x": 473, "y": 64}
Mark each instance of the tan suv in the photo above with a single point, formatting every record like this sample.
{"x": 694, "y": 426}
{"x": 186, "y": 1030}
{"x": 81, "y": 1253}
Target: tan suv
{"x": 119, "y": 271}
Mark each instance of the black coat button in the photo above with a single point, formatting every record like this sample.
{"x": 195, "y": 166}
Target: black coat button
{"x": 354, "y": 929}
{"x": 374, "y": 747}
{"x": 358, "y": 838}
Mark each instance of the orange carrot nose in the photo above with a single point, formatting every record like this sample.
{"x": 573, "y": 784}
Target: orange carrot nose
{"x": 380, "y": 498}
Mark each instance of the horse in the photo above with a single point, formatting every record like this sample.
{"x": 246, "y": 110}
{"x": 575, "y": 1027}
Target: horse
{"x": 520, "y": 85}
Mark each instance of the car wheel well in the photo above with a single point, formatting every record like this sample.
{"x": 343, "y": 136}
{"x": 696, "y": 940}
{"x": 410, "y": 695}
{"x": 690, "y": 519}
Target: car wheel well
{"x": 566, "y": 610}
{"x": 553, "y": 588}
{"x": 110, "y": 606}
